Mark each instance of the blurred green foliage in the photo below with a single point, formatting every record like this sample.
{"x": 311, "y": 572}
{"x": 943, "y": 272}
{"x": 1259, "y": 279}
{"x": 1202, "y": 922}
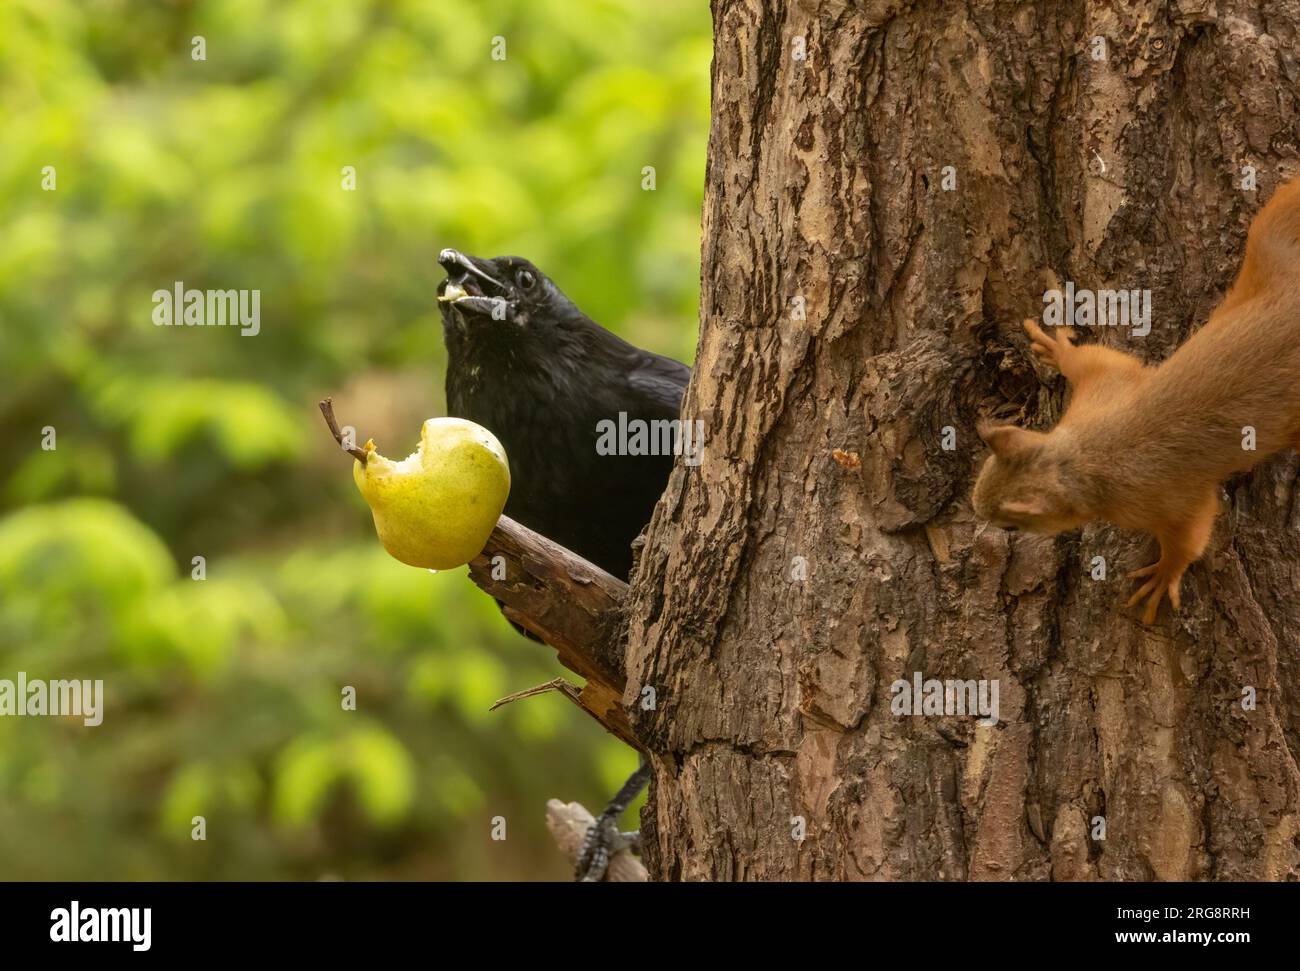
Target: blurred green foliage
{"x": 223, "y": 694}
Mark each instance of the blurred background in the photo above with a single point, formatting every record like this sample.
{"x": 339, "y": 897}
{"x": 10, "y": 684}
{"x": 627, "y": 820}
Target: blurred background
{"x": 222, "y": 695}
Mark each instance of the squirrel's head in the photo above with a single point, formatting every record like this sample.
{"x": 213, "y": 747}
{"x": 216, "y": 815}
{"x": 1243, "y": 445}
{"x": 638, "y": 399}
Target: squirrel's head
{"x": 1022, "y": 485}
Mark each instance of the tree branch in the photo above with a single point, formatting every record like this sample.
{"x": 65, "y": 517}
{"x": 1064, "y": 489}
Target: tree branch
{"x": 567, "y": 602}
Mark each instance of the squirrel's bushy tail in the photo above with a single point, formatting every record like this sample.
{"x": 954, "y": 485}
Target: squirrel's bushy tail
{"x": 1273, "y": 246}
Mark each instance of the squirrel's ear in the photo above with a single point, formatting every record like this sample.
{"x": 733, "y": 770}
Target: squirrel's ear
{"x": 1006, "y": 440}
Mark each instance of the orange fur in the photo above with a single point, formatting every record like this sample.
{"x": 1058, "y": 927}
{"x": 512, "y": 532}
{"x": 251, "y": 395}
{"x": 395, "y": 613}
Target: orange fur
{"x": 1146, "y": 447}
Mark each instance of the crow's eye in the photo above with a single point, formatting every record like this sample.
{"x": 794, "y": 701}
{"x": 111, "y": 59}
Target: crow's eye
{"x": 525, "y": 280}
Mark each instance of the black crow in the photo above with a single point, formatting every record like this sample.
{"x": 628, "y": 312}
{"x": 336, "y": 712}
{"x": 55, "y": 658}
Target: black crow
{"x": 568, "y": 400}
{"x": 524, "y": 362}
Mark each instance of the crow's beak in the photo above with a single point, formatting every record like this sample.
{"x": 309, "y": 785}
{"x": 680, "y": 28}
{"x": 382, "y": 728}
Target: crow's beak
{"x": 464, "y": 272}
{"x": 468, "y": 286}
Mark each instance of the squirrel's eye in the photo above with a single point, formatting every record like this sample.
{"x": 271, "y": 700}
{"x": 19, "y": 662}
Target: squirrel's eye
{"x": 525, "y": 280}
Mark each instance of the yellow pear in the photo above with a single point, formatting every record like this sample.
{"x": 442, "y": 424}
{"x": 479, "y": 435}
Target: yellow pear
{"x": 437, "y": 507}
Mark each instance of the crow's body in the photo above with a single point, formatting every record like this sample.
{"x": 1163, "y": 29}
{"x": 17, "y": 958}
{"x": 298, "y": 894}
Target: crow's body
{"x": 542, "y": 379}
{"x": 524, "y": 362}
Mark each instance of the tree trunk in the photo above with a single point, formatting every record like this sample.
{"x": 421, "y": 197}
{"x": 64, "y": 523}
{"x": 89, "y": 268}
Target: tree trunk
{"x": 1122, "y": 752}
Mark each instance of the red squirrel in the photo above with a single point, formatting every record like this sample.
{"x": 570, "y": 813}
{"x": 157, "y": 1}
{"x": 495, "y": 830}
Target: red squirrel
{"x": 1146, "y": 447}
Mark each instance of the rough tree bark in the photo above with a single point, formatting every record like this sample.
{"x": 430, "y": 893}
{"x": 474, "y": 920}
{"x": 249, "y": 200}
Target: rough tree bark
{"x": 825, "y": 183}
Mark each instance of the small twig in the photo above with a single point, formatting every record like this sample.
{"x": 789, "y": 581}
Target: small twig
{"x": 327, "y": 409}
{"x": 570, "y": 691}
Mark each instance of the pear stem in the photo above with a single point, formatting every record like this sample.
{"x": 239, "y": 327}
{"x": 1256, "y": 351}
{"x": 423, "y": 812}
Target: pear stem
{"x": 327, "y": 409}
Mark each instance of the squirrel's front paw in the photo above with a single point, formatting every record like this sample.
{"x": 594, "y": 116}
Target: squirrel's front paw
{"x": 1046, "y": 348}
{"x": 1166, "y": 577}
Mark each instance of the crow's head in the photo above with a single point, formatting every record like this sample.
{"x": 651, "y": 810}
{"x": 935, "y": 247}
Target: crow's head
{"x": 494, "y": 298}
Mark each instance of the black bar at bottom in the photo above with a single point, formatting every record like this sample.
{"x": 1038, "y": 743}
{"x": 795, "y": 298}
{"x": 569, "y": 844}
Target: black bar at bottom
{"x": 969, "y": 923}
